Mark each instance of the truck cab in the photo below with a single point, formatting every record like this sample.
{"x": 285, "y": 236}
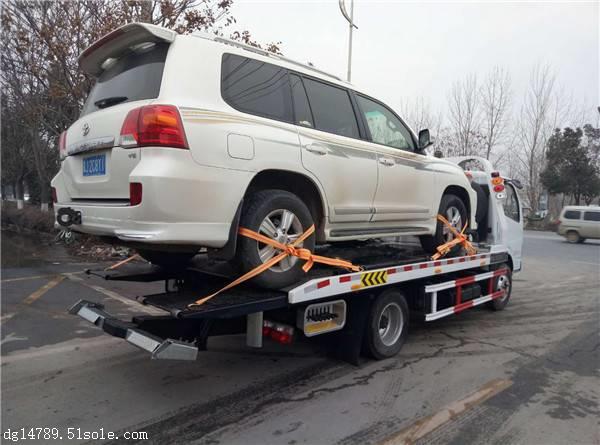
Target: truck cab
{"x": 499, "y": 215}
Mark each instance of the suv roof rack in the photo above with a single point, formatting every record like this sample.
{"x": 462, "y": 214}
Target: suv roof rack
{"x": 264, "y": 52}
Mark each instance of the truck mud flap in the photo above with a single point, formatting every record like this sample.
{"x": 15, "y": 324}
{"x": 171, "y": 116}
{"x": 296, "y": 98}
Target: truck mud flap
{"x": 159, "y": 348}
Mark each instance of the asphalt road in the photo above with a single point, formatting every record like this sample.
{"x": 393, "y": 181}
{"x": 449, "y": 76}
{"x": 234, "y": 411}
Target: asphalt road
{"x": 526, "y": 375}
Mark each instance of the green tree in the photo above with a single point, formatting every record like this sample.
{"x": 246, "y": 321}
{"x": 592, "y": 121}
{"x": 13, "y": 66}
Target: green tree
{"x": 572, "y": 166}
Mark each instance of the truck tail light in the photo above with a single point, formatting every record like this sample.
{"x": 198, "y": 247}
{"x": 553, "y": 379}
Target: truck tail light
{"x": 62, "y": 145}
{"x": 54, "y": 196}
{"x": 135, "y": 193}
{"x": 279, "y": 332}
{"x": 153, "y": 125}
{"x": 499, "y": 188}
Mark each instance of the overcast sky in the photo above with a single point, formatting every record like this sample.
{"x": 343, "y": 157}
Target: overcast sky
{"x": 410, "y": 49}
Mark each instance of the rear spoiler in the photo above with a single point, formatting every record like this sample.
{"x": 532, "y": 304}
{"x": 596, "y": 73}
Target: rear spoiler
{"x": 119, "y": 42}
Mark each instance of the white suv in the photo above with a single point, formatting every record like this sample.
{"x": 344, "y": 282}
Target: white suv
{"x": 185, "y": 138}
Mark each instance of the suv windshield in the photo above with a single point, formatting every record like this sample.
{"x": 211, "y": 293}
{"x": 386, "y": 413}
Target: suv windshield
{"x": 134, "y": 76}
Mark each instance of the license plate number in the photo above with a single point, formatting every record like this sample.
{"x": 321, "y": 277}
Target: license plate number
{"x": 94, "y": 165}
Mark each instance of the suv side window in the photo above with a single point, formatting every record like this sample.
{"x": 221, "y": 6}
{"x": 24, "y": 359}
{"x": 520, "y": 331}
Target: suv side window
{"x": 511, "y": 203}
{"x": 302, "y": 113}
{"x": 591, "y": 216}
{"x": 256, "y": 87}
{"x": 331, "y": 109}
{"x": 572, "y": 214}
{"x": 384, "y": 125}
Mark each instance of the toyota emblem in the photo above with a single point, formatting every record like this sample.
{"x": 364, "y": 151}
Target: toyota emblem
{"x": 86, "y": 129}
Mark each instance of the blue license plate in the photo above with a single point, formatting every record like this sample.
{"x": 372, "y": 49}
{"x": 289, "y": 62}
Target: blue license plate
{"x": 94, "y": 165}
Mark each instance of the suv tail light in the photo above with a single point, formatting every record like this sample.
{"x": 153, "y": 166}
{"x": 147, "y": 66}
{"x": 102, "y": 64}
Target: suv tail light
{"x": 62, "y": 145}
{"x": 153, "y": 125}
{"x": 135, "y": 193}
{"x": 54, "y": 195}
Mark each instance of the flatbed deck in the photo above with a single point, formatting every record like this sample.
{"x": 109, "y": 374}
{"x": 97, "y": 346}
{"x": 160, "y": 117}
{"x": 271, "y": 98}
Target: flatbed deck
{"x": 205, "y": 276}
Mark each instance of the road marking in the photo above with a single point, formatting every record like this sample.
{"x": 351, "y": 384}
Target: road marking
{"x": 42, "y": 290}
{"x": 115, "y": 296}
{"x": 12, "y": 337}
{"x": 6, "y": 317}
{"x": 36, "y": 277}
{"x": 61, "y": 348}
{"x": 426, "y": 425}
{"x": 586, "y": 262}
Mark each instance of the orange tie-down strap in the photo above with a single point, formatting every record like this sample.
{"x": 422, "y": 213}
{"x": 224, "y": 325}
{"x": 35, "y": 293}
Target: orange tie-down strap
{"x": 459, "y": 238}
{"x": 286, "y": 250}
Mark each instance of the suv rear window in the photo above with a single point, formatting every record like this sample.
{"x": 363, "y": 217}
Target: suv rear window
{"x": 256, "y": 87}
{"x": 591, "y": 216}
{"x": 572, "y": 214}
{"x": 135, "y": 76}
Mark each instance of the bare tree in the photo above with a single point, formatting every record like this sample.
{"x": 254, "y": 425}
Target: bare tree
{"x": 39, "y": 72}
{"x": 419, "y": 115}
{"x": 463, "y": 107}
{"x": 539, "y": 114}
{"x": 495, "y": 96}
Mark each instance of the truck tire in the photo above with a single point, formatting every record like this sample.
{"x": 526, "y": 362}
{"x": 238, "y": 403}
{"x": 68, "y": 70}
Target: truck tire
{"x": 387, "y": 325}
{"x": 502, "y": 282}
{"x": 167, "y": 260}
{"x": 455, "y": 211}
{"x": 279, "y": 215}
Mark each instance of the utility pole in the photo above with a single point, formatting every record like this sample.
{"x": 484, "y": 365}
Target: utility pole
{"x": 350, "y": 19}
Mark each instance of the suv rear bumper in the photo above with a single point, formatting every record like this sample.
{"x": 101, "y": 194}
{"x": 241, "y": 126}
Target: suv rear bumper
{"x": 183, "y": 203}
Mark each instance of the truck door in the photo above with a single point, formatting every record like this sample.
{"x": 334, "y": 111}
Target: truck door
{"x": 513, "y": 225}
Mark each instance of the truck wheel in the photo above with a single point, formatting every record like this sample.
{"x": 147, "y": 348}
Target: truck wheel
{"x": 503, "y": 282}
{"x": 279, "y": 215}
{"x": 573, "y": 237}
{"x": 455, "y": 211}
{"x": 387, "y": 326}
{"x": 167, "y": 260}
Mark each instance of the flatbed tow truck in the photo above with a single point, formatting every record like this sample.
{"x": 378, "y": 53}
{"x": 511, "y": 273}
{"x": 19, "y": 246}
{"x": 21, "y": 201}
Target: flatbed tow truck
{"x": 365, "y": 311}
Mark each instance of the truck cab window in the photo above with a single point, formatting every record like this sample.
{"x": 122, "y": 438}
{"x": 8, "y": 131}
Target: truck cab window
{"x": 511, "y": 204}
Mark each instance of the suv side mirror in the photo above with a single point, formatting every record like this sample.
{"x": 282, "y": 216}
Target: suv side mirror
{"x": 424, "y": 139}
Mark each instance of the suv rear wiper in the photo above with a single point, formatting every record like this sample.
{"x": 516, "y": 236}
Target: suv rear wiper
{"x": 108, "y": 101}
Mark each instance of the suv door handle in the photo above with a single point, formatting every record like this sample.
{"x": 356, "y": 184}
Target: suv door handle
{"x": 387, "y": 161}
{"x": 316, "y": 149}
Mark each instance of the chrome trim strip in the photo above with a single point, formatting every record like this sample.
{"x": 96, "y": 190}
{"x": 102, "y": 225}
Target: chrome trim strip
{"x": 91, "y": 145}
{"x": 391, "y": 230}
{"x": 382, "y": 210}
{"x": 353, "y": 210}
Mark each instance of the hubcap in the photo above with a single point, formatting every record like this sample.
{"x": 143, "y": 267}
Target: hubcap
{"x": 391, "y": 322}
{"x": 455, "y": 220}
{"x": 283, "y": 226}
{"x": 503, "y": 283}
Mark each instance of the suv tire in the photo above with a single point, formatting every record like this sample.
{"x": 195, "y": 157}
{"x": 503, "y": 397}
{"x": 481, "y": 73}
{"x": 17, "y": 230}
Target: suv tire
{"x": 264, "y": 212}
{"x": 449, "y": 206}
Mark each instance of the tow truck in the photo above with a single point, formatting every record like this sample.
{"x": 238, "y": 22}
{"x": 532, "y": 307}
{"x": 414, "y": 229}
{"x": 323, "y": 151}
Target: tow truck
{"x": 356, "y": 312}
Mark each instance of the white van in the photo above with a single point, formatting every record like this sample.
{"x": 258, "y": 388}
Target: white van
{"x": 577, "y": 223}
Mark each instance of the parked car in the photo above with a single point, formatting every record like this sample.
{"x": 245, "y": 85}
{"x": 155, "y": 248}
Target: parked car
{"x": 183, "y": 138}
{"x": 578, "y": 223}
